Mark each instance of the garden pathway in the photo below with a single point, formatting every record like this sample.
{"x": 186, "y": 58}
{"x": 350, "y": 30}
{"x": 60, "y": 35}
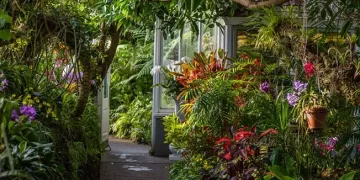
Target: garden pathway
{"x": 130, "y": 161}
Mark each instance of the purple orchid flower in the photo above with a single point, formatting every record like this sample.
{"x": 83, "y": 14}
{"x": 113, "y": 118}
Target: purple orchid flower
{"x": 264, "y": 87}
{"x": 14, "y": 115}
{"x": 299, "y": 86}
{"x": 28, "y": 111}
{"x": 4, "y": 84}
{"x": 292, "y": 99}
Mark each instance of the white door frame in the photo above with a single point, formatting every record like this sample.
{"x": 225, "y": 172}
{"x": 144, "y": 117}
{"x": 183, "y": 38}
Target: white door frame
{"x": 103, "y": 101}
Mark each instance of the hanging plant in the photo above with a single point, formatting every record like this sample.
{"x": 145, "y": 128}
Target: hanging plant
{"x": 316, "y": 117}
{"x": 313, "y": 103}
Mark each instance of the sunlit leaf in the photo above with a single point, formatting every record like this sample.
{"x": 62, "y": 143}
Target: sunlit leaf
{"x": 348, "y": 176}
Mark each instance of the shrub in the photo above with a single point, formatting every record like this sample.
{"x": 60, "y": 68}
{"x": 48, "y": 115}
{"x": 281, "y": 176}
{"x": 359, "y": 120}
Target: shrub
{"x": 183, "y": 170}
{"x": 136, "y": 122}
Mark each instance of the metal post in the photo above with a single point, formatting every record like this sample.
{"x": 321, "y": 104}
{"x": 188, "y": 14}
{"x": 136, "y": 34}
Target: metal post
{"x": 158, "y": 147}
{"x": 200, "y": 38}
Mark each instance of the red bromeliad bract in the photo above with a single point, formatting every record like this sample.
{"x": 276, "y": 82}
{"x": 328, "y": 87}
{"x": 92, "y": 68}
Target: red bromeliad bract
{"x": 309, "y": 69}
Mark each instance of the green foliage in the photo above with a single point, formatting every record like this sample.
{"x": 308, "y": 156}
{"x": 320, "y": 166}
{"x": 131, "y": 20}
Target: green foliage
{"x": 170, "y": 86}
{"x": 136, "y": 122}
{"x": 323, "y": 14}
{"x": 82, "y": 154}
{"x": 130, "y": 76}
{"x": 5, "y": 21}
{"x": 183, "y": 170}
{"x": 183, "y": 12}
{"x": 18, "y": 77}
{"x": 215, "y": 105}
{"x": 348, "y": 176}
{"x": 175, "y": 14}
{"x": 29, "y": 151}
{"x": 78, "y": 156}
{"x": 29, "y": 146}
{"x": 131, "y": 89}
{"x": 280, "y": 173}
{"x": 276, "y": 29}
{"x": 175, "y": 132}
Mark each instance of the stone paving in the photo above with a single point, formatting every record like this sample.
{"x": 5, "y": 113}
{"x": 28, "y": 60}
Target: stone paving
{"x": 130, "y": 161}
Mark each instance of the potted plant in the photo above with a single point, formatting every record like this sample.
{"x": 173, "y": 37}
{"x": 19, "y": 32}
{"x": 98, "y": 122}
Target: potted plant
{"x": 313, "y": 103}
{"x": 316, "y": 109}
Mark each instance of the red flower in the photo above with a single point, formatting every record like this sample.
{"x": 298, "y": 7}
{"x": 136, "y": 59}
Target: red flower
{"x": 226, "y": 144}
{"x": 227, "y": 156}
{"x": 243, "y": 134}
{"x": 309, "y": 69}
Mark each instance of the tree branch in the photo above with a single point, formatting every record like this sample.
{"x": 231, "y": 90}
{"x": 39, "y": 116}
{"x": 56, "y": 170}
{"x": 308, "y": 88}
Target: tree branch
{"x": 110, "y": 53}
{"x": 251, "y": 4}
{"x": 102, "y": 42}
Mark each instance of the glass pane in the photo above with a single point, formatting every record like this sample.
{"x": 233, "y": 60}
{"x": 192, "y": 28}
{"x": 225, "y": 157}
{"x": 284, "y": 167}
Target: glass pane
{"x": 189, "y": 43}
{"x": 166, "y": 102}
{"x": 208, "y": 43}
{"x": 171, "y": 50}
{"x": 171, "y": 54}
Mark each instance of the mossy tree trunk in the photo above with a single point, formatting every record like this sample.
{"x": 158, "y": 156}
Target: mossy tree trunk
{"x": 99, "y": 69}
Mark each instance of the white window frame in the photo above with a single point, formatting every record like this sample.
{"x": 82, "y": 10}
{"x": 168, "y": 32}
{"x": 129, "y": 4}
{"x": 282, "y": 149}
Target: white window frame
{"x": 158, "y": 61}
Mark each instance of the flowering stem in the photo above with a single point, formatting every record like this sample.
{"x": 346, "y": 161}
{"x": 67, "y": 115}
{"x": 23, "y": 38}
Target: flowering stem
{"x": 7, "y": 148}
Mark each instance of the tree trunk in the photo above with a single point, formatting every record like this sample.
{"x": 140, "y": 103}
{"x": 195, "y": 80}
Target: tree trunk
{"x": 251, "y": 4}
{"x": 89, "y": 69}
{"x": 104, "y": 65}
{"x": 85, "y": 87}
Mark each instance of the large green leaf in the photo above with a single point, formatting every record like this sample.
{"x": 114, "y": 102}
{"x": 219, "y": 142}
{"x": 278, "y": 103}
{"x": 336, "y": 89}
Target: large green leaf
{"x": 195, "y": 4}
{"x": 348, "y": 176}
{"x": 345, "y": 29}
{"x": 221, "y": 53}
{"x": 290, "y": 164}
{"x": 22, "y": 146}
{"x": 4, "y": 20}
{"x": 188, "y": 4}
{"x": 15, "y": 173}
{"x": 267, "y": 177}
{"x": 274, "y": 156}
{"x": 280, "y": 172}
